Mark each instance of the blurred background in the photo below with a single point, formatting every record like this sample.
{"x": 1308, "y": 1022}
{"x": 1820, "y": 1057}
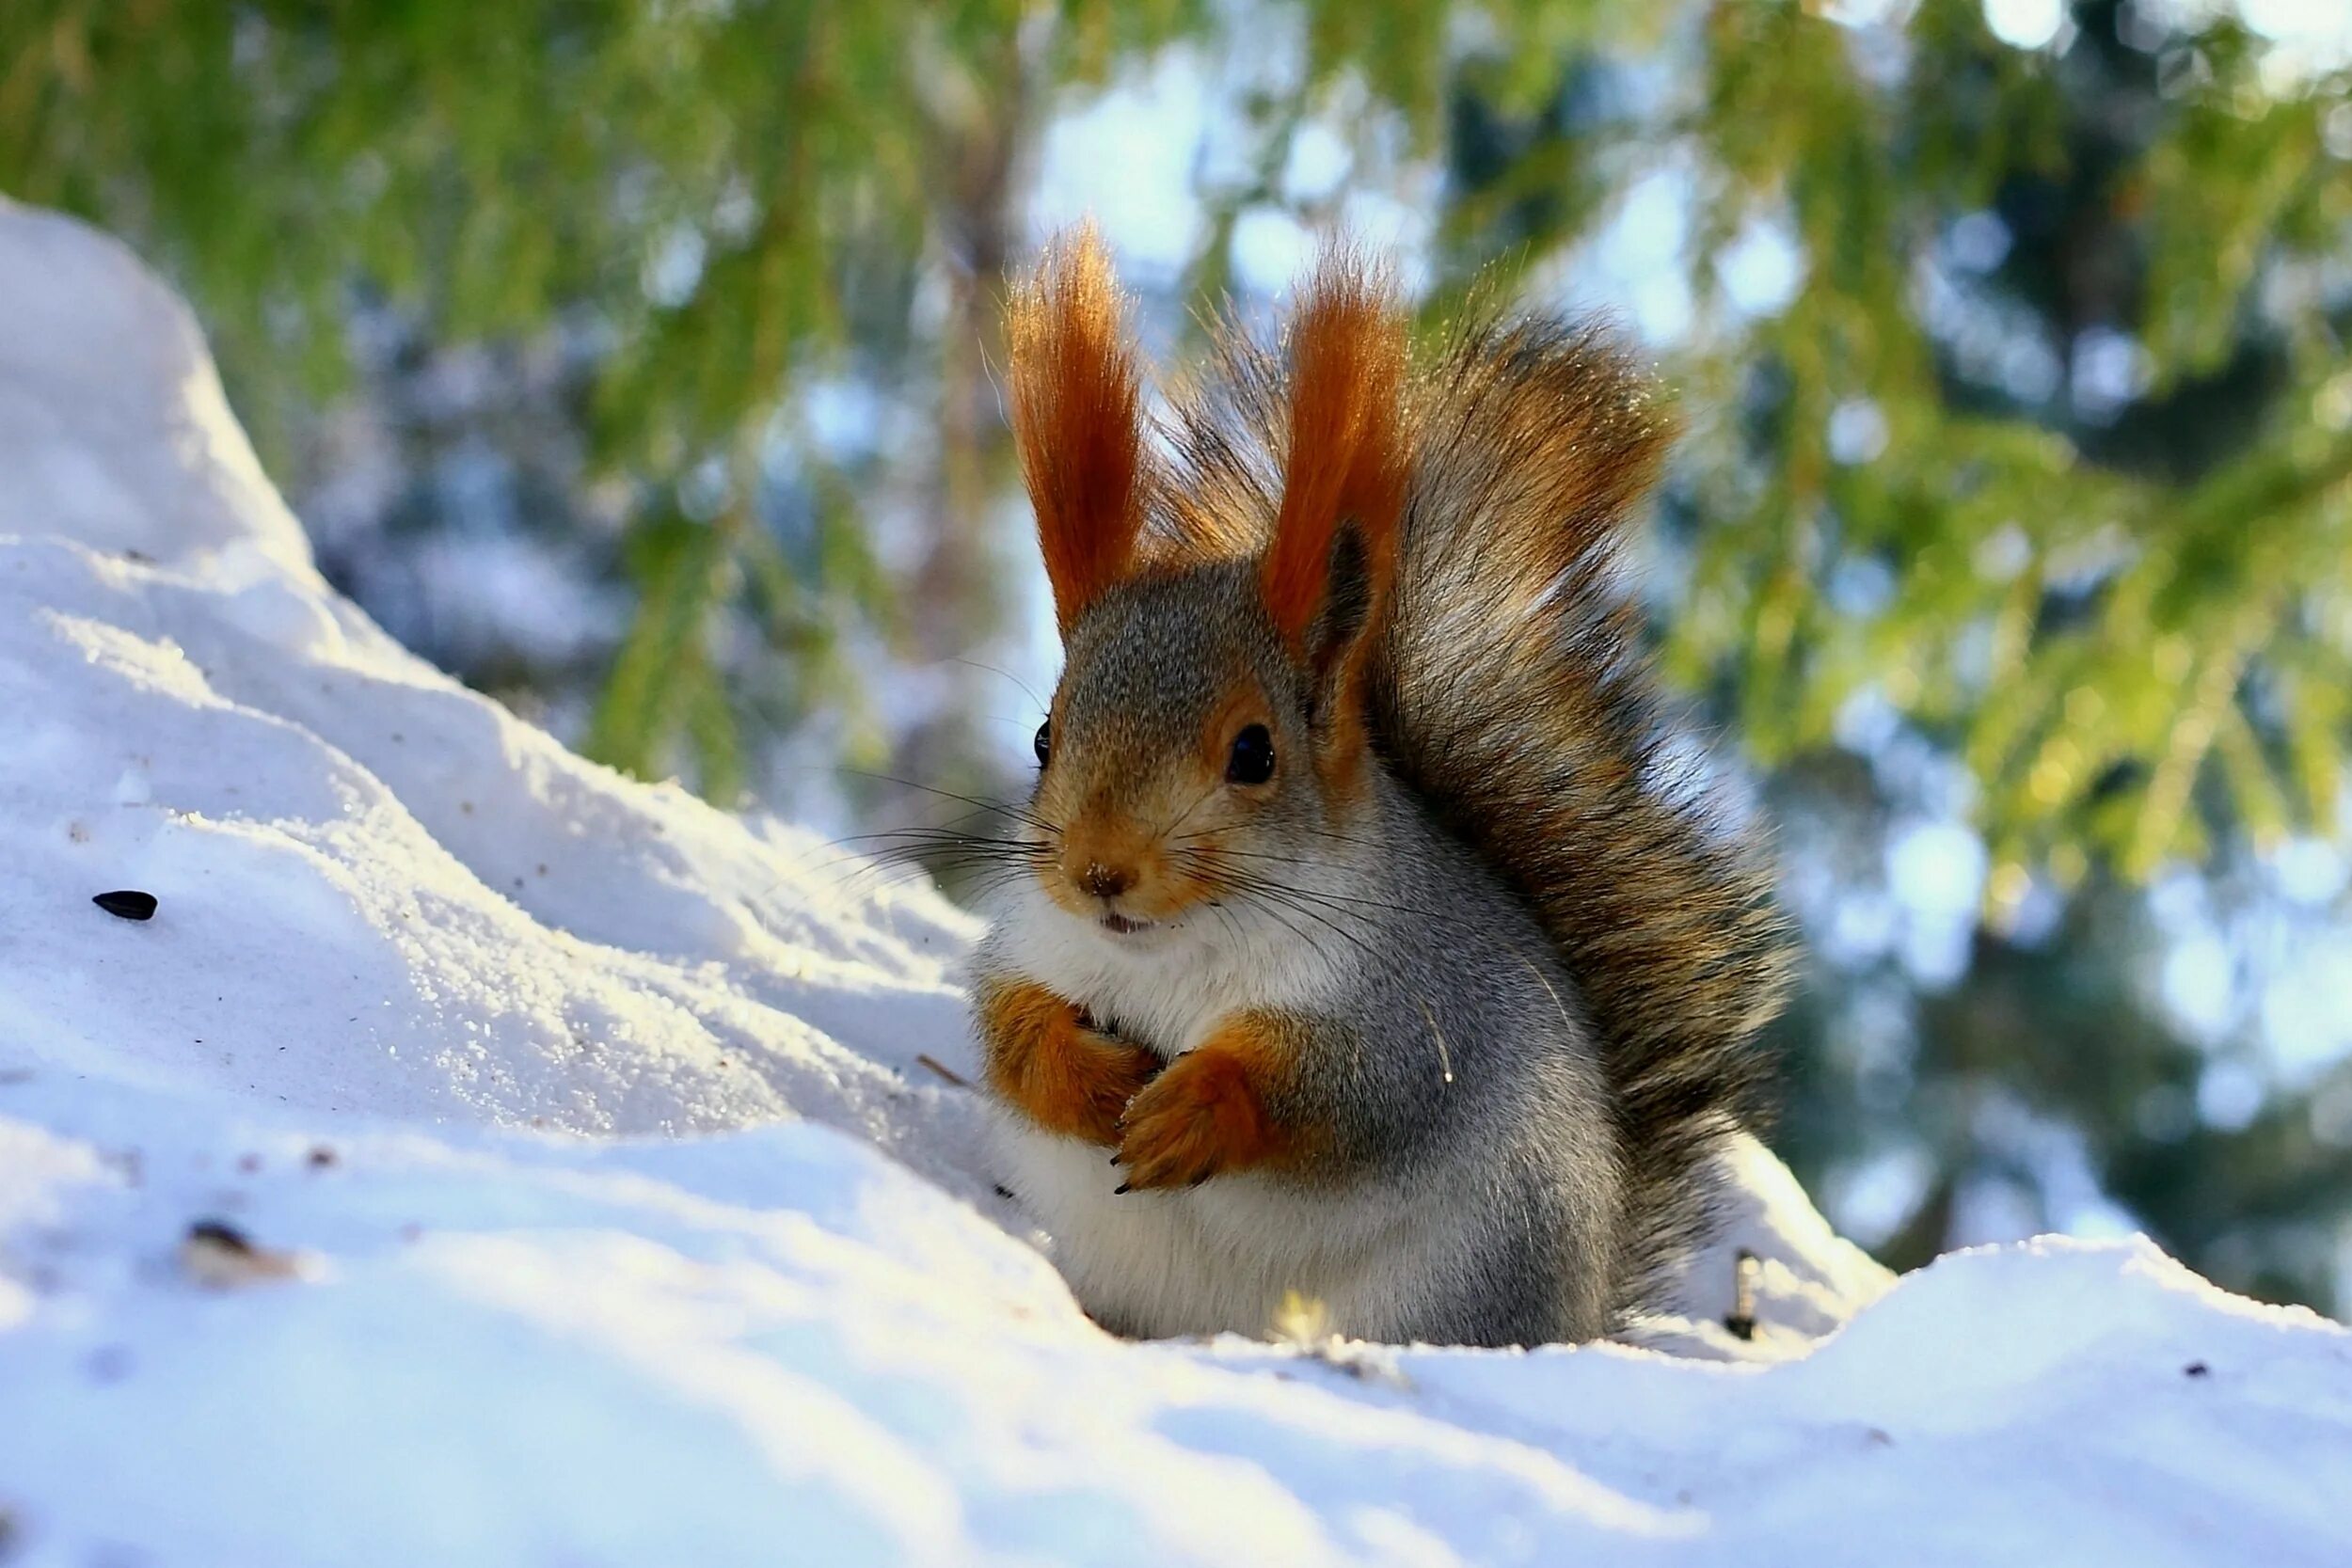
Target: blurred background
{"x": 636, "y": 361}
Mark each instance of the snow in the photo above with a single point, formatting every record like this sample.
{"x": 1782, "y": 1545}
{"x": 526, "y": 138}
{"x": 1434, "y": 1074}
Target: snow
{"x": 611, "y": 1215}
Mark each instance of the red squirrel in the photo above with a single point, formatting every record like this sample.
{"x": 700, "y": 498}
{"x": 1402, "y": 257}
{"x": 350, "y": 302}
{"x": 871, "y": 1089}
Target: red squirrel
{"x": 1358, "y": 947}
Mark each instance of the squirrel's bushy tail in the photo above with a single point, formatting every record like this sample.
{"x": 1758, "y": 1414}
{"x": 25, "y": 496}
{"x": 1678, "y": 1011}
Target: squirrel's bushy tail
{"x": 1511, "y": 694}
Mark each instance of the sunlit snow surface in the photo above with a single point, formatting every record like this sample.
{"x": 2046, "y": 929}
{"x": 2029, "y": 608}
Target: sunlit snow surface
{"x": 624, "y": 1224}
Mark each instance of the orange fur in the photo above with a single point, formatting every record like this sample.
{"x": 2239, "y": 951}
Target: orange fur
{"x": 1207, "y": 1114}
{"x": 1346, "y": 459}
{"x": 1076, "y": 420}
{"x": 1066, "y": 1077}
{"x": 1116, "y": 826}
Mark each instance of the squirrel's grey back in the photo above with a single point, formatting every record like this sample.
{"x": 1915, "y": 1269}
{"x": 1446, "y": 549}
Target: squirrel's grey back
{"x": 1510, "y": 695}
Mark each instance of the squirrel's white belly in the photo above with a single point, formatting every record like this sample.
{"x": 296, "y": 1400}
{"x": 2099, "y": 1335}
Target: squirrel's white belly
{"x": 1221, "y": 1256}
{"x": 1166, "y": 992}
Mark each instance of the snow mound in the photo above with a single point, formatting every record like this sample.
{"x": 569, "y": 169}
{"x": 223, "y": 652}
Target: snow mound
{"x": 428, "y": 1005}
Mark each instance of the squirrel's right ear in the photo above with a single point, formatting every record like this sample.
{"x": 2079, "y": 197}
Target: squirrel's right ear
{"x": 1076, "y": 419}
{"x": 1325, "y": 575}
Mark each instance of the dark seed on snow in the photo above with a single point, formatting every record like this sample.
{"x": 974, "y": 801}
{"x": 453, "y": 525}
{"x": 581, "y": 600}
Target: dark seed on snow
{"x": 127, "y": 904}
{"x": 217, "y": 1254}
{"x": 216, "y": 1233}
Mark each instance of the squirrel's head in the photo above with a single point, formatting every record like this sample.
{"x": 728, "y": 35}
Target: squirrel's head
{"x": 1210, "y": 733}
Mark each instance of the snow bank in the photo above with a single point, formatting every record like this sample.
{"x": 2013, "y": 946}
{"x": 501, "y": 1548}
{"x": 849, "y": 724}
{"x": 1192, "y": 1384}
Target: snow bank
{"x": 429, "y": 1004}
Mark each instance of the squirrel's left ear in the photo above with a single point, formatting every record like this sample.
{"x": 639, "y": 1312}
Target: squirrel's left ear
{"x": 1076, "y": 419}
{"x": 1325, "y": 575}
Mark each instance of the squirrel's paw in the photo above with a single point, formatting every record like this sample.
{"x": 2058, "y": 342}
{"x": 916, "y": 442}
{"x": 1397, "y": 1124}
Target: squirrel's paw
{"x": 1098, "y": 1077}
{"x": 1045, "y": 1057}
{"x": 1201, "y": 1117}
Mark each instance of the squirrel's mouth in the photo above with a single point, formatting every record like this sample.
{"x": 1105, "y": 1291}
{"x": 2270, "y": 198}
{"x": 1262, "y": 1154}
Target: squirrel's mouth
{"x": 1121, "y": 925}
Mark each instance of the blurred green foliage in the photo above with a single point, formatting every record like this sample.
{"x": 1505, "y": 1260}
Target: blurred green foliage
{"x": 2042, "y": 457}
{"x": 2104, "y": 608}
{"x": 495, "y": 167}
{"x": 2120, "y": 621}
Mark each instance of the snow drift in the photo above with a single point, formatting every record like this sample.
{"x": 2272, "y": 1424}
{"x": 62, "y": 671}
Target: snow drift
{"x": 602, "y": 1208}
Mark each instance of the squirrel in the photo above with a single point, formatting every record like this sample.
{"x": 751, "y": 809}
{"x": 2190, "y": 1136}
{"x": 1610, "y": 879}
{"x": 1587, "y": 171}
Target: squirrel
{"x": 1357, "y": 944}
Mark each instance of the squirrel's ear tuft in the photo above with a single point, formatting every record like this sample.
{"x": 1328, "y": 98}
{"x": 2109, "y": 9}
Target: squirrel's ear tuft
{"x": 1325, "y": 575}
{"x": 1076, "y": 419}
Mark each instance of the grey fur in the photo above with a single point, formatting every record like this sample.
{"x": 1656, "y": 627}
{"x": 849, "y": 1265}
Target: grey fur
{"x": 1452, "y": 1074}
{"x": 1522, "y": 973}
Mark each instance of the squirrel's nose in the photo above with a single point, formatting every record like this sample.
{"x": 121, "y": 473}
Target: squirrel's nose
{"x": 1106, "y": 881}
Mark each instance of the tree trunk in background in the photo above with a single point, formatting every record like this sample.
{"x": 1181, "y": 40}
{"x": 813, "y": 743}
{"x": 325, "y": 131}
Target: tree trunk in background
{"x": 955, "y": 605}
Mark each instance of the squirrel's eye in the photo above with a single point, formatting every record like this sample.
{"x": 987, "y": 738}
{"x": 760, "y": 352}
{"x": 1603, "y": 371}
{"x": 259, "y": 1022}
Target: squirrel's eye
{"x": 1251, "y": 761}
{"x": 1044, "y": 742}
